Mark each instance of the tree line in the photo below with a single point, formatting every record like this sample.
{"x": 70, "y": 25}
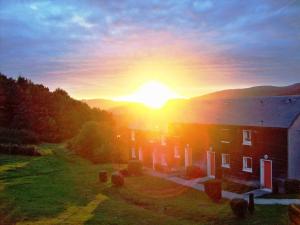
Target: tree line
{"x": 51, "y": 115}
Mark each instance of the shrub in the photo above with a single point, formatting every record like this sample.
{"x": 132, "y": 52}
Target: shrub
{"x": 14, "y": 136}
{"x": 14, "y": 149}
{"x": 294, "y": 214}
{"x": 213, "y": 188}
{"x": 194, "y": 172}
{"x": 135, "y": 167}
{"x": 103, "y": 176}
{"x": 239, "y": 207}
{"x": 117, "y": 179}
{"x": 124, "y": 172}
{"x": 94, "y": 142}
{"x": 292, "y": 186}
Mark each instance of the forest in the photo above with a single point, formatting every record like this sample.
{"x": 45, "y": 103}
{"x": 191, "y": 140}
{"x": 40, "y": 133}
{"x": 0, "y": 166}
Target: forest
{"x": 31, "y": 113}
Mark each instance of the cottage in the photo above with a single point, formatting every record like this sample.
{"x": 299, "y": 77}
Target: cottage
{"x": 253, "y": 140}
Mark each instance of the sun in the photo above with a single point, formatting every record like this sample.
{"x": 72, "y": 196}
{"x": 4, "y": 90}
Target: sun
{"x": 153, "y": 94}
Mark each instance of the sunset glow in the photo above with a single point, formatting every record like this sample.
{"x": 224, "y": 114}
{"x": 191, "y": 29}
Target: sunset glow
{"x": 153, "y": 94}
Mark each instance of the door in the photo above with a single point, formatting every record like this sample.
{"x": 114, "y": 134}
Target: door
{"x": 211, "y": 164}
{"x": 266, "y": 174}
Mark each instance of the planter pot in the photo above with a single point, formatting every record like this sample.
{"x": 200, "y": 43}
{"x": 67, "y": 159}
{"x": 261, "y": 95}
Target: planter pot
{"x": 103, "y": 176}
{"x": 213, "y": 189}
{"x": 117, "y": 179}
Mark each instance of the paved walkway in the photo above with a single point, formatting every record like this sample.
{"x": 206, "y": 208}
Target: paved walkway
{"x": 195, "y": 184}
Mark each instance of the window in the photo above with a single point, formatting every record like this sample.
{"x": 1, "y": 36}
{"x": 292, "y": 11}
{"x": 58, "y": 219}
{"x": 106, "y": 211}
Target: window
{"x": 132, "y": 135}
{"x": 176, "y": 152}
{"x": 225, "y": 136}
{"x": 226, "y": 160}
{"x": 247, "y": 164}
{"x": 247, "y": 137}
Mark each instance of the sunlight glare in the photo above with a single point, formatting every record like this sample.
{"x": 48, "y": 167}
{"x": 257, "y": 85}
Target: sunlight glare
{"x": 153, "y": 94}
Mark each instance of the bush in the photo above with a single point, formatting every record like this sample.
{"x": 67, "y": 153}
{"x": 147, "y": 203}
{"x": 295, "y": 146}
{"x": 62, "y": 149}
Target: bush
{"x": 294, "y": 214}
{"x": 292, "y": 186}
{"x": 135, "y": 167}
{"x": 194, "y": 172}
{"x": 13, "y": 149}
{"x": 14, "y": 136}
{"x": 124, "y": 172}
{"x": 213, "y": 188}
{"x": 117, "y": 179}
{"x": 94, "y": 142}
{"x": 103, "y": 176}
{"x": 239, "y": 207}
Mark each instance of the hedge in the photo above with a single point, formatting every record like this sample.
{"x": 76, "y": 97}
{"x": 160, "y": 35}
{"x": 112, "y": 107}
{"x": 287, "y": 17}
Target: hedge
{"x": 13, "y": 149}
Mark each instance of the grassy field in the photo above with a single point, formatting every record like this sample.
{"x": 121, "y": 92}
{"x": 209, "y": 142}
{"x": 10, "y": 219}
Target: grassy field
{"x": 61, "y": 188}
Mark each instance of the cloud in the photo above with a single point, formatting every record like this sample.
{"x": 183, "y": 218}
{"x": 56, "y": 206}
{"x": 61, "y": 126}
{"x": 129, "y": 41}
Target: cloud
{"x": 81, "y": 21}
{"x": 231, "y": 42}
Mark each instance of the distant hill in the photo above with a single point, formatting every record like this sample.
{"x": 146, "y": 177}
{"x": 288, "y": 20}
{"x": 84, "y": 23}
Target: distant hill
{"x": 138, "y": 110}
{"x": 105, "y": 104}
{"x": 293, "y": 89}
{"x": 119, "y": 106}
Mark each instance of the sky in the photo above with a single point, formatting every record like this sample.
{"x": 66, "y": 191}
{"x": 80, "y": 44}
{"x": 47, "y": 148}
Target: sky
{"x": 107, "y": 49}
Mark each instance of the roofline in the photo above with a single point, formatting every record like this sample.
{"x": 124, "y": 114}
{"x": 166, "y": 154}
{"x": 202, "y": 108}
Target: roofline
{"x": 294, "y": 120}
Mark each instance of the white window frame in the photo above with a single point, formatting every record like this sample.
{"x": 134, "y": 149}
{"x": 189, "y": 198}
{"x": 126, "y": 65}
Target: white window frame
{"x": 246, "y": 167}
{"x": 224, "y": 163}
{"x": 246, "y": 140}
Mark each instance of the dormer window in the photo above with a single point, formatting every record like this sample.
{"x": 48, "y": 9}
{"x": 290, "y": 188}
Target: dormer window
{"x": 247, "y": 137}
{"x": 132, "y": 135}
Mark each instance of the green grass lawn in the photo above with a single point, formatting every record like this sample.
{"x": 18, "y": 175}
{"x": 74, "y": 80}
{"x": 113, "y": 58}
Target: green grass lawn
{"x": 61, "y": 188}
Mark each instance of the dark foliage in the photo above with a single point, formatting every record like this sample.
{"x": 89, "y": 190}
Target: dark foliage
{"x": 117, "y": 179}
{"x": 239, "y": 207}
{"x": 14, "y": 149}
{"x": 54, "y": 116}
{"x": 292, "y": 186}
{"x": 95, "y": 142}
{"x": 213, "y": 188}
{"x": 103, "y": 176}
{"x": 135, "y": 167}
{"x": 14, "y": 136}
